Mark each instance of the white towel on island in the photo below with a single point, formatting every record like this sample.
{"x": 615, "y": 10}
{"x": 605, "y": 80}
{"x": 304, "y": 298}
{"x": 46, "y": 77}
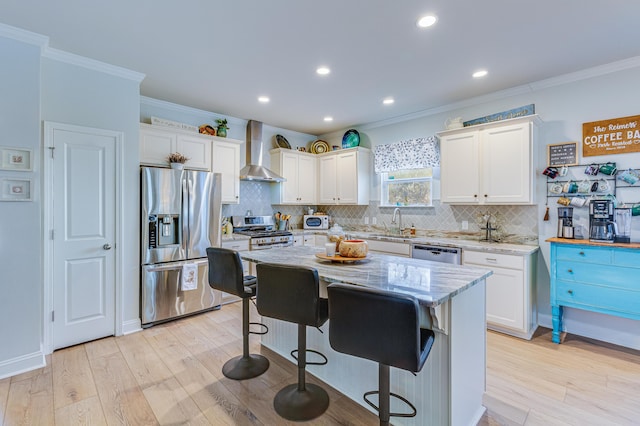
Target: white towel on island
{"x": 189, "y": 279}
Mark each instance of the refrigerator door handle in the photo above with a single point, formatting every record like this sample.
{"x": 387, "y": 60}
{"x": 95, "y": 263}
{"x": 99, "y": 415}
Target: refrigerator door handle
{"x": 185, "y": 216}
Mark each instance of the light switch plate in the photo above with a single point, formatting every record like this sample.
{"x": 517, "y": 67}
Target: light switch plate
{"x": 465, "y": 225}
{"x": 366, "y": 220}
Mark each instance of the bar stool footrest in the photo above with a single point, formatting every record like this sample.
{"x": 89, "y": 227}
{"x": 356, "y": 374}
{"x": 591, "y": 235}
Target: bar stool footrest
{"x": 395, "y": 395}
{"x": 259, "y": 324}
{"x": 293, "y": 352}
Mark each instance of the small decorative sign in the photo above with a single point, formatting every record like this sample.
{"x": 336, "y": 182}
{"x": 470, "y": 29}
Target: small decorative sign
{"x": 562, "y": 154}
{"x": 504, "y": 115}
{"x": 613, "y": 136}
{"x": 17, "y": 159}
{"x": 15, "y": 190}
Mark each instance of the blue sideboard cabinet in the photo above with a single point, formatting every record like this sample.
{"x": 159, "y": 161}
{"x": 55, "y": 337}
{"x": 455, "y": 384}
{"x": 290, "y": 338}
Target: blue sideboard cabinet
{"x": 594, "y": 277}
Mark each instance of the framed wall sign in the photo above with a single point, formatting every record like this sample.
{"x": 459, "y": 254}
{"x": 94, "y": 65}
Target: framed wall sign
{"x": 15, "y": 189}
{"x": 562, "y": 154}
{"x": 613, "y": 136}
{"x": 17, "y": 159}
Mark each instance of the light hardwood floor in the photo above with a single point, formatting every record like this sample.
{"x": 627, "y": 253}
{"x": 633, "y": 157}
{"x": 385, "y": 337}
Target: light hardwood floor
{"x": 171, "y": 375}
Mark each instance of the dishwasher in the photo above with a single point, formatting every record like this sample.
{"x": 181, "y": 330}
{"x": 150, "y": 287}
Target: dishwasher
{"x": 436, "y": 253}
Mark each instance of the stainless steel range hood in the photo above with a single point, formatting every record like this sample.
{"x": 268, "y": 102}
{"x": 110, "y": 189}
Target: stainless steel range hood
{"x": 256, "y": 171}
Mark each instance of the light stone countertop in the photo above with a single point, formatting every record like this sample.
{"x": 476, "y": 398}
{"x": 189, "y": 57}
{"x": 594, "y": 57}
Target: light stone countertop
{"x": 462, "y": 242}
{"x": 432, "y": 283}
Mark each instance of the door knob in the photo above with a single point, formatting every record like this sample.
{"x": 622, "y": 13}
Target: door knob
{"x": 107, "y": 246}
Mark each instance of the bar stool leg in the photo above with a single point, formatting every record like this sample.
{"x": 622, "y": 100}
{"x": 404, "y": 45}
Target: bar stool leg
{"x": 247, "y": 365}
{"x": 384, "y": 397}
{"x": 301, "y": 401}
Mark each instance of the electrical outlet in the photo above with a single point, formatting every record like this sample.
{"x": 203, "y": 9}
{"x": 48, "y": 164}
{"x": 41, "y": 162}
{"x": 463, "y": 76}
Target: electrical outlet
{"x": 366, "y": 220}
{"x": 374, "y": 220}
{"x": 465, "y": 225}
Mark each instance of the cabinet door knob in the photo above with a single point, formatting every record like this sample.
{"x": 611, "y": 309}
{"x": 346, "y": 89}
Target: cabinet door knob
{"x": 485, "y": 195}
{"x": 475, "y": 195}
{"x": 581, "y": 253}
{"x": 570, "y": 291}
{"x": 570, "y": 271}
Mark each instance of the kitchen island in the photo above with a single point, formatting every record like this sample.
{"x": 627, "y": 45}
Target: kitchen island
{"x": 449, "y": 389}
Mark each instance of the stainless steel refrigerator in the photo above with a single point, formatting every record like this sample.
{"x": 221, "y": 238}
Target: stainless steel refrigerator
{"x": 181, "y": 216}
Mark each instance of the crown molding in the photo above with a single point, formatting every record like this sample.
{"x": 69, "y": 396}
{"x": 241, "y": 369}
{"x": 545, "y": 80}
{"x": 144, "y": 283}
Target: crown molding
{"x": 159, "y": 103}
{"x": 92, "y": 64}
{"x": 573, "y": 77}
{"x": 24, "y": 36}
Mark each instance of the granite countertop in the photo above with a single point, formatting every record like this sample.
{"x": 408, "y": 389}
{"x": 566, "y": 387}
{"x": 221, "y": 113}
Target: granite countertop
{"x": 464, "y": 241}
{"x": 432, "y": 283}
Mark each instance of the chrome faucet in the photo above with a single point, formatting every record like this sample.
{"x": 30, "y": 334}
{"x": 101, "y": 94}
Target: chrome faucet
{"x": 488, "y": 228}
{"x": 397, "y": 212}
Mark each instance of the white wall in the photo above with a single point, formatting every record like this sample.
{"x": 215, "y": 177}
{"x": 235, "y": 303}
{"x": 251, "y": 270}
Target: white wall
{"x": 20, "y": 222}
{"x": 83, "y": 96}
{"x": 563, "y": 104}
{"x": 40, "y": 84}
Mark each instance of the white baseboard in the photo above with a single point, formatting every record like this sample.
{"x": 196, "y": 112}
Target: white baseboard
{"x": 132, "y": 326}
{"x": 22, "y": 364}
{"x": 618, "y": 331}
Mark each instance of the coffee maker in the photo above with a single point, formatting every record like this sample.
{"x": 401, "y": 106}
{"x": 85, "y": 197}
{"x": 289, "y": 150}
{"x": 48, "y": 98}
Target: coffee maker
{"x": 565, "y": 222}
{"x": 602, "y": 227}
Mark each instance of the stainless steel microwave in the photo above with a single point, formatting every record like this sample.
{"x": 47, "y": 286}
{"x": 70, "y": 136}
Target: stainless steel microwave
{"x": 315, "y": 221}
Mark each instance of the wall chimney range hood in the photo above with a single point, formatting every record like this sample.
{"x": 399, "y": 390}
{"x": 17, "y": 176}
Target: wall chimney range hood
{"x": 253, "y": 171}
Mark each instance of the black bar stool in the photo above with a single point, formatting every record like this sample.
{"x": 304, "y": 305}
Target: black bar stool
{"x": 380, "y": 326}
{"x": 225, "y": 274}
{"x": 292, "y": 294}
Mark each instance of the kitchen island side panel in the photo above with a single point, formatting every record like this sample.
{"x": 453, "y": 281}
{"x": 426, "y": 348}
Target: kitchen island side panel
{"x": 447, "y": 391}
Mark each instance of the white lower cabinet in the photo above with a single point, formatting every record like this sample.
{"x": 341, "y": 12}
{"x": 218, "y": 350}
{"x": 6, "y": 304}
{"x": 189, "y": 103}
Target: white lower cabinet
{"x": 389, "y": 247}
{"x": 510, "y": 298}
{"x": 304, "y": 240}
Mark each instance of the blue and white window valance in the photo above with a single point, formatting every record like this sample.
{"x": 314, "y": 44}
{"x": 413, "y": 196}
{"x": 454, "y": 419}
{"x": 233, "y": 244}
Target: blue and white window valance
{"x": 416, "y": 153}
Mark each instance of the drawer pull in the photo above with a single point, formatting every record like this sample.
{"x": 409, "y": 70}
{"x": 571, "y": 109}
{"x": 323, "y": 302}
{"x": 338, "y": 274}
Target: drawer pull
{"x": 581, "y": 253}
{"x": 570, "y": 291}
{"x": 570, "y": 271}
{"x": 491, "y": 259}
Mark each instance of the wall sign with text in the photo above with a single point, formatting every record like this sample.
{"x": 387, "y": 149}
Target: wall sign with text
{"x": 562, "y": 154}
{"x": 613, "y": 136}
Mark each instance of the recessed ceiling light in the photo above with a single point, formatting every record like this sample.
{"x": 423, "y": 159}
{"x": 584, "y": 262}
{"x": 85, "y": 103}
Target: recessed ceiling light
{"x": 323, "y": 70}
{"x": 479, "y": 73}
{"x": 427, "y": 21}
{"x": 388, "y": 101}
{"x": 328, "y": 119}
{"x": 263, "y": 99}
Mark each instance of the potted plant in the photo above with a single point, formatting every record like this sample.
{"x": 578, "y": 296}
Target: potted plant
{"x": 222, "y": 127}
{"x": 177, "y": 160}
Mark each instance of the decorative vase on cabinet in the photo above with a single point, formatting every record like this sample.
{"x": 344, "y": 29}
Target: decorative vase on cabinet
{"x": 221, "y": 132}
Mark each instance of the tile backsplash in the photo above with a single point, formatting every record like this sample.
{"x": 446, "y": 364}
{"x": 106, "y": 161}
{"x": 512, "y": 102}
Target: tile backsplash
{"x": 521, "y": 221}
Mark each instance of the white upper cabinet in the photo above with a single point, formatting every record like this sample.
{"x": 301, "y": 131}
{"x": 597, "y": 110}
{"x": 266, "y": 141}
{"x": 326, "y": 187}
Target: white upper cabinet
{"x": 225, "y": 159}
{"x": 345, "y": 176}
{"x": 300, "y": 171}
{"x": 156, "y": 144}
{"x": 209, "y": 153}
{"x": 489, "y": 163}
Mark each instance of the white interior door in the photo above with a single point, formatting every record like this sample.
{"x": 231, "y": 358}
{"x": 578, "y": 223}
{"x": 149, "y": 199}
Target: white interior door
{"x": 84, "y": 215}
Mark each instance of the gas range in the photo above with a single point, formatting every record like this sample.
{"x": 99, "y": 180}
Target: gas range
{"x": 262, "y": 232}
